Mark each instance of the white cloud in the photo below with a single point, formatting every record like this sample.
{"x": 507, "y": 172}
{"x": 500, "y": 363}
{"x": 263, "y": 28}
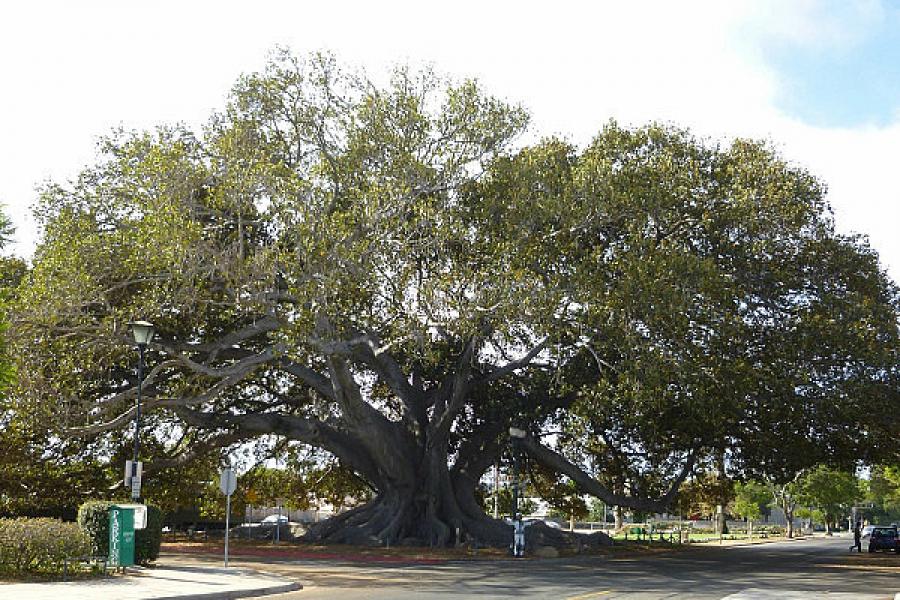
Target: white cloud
{"x": 82, "y": 68}
{"x": 811, "y": 23}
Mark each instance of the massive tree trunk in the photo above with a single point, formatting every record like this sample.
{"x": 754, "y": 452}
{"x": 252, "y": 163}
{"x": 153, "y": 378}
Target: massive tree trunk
{"x": 420, "y": 497}
{"x": 421, "y": 511}
{"x": 403, "y": 453}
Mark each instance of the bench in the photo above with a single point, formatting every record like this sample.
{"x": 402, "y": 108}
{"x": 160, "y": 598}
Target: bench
{"x": 638, "y": 532}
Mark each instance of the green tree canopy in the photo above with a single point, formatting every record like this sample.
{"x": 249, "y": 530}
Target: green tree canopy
{"x": 883, "y": 491}
{"x": 750, "y": 499}
{"x": 831, "y": 491}
{"x": 375, "y": 271}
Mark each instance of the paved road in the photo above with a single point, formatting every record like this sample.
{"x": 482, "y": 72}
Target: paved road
{"x": 814, "y": 568}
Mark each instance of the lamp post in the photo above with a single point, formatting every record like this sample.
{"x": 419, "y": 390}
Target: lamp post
{"x": 143, "y": 334}
{"x": 516, "y": 436}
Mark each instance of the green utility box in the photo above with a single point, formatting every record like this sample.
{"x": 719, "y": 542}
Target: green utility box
{"x": 121, "y": 536}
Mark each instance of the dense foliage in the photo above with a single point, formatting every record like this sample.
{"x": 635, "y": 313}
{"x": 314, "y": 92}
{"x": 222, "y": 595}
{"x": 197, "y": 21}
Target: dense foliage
{"x": 883, "y": 492}
{"x": 831, "y": 492}
{"x": 751, "y": 500}
{"x": 39, "y": 546}
{"x": 375, "y": 271}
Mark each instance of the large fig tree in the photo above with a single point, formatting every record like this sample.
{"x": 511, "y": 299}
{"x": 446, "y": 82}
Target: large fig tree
{"x": 373, "y": 270}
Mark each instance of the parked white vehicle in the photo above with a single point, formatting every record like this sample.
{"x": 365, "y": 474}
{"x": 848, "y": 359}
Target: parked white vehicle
{"x": 273, "y": 519}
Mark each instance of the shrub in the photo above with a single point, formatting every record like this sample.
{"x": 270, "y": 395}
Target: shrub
{"x": 39, "y": 546}
{"x": 147, "y": 541}
{"x": 93, "y": 517}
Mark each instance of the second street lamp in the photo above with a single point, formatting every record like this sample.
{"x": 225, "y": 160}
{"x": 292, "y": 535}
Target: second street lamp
{"x": 516, "y": 436}
{"x": 143, "y": 334}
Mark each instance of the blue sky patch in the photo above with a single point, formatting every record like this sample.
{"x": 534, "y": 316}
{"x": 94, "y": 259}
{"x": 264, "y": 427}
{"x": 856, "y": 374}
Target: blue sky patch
{"x": 841, "y": 83}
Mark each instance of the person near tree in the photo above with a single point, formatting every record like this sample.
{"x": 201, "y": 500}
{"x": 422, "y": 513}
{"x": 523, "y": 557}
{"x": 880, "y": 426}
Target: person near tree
{"x": 857, "y": 538}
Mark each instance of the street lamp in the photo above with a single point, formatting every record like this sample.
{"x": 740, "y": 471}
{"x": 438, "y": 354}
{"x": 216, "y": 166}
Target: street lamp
{"x": 516, "y": 436}
{"x": 143, "y": 334}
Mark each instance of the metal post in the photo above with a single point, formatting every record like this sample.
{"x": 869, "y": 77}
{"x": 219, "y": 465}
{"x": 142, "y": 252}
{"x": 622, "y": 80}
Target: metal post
{"x": 137, "y": 414}
{"x": 278, "y": 525}
{"x": 518, "y": 528}
{"x": 515, "y": 482}
{"x": 143, "y": 334}
{"x": 516, "y": 436}
{"x": 227, "y": 524}
{"x": 135, "y": 493}
{"x": 720, "y": 517}
{"x": 496, "y": 490}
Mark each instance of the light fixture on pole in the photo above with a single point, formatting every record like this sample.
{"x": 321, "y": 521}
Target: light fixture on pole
{"x": 516, "y": 436}
{"x": 142, "y": 331}
{"x": 143, "y": 335}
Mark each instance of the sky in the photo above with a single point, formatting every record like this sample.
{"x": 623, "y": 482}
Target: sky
{"x": 819, "y": 79}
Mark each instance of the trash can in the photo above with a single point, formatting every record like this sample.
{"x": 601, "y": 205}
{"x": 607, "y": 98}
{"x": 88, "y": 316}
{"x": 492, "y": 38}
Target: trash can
{"x": 121, "y": 535}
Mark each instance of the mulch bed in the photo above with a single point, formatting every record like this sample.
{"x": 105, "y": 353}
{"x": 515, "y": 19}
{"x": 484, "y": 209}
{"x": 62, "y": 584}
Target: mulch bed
{"x": 293, "y": 552}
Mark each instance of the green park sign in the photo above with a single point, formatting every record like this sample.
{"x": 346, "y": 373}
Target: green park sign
{"x": 121, "y": 536}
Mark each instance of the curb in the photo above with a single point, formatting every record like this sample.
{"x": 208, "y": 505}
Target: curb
{"x": 229, "y": 595}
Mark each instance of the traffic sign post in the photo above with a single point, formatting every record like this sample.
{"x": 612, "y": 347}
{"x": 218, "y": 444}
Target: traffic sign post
{"x": 279, "y": 502}
{"x": 227, "y": 483}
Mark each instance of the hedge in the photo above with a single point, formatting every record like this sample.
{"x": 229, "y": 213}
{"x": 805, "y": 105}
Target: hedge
{"x": 93, "y": 517}
{"x": 39, "y": 546}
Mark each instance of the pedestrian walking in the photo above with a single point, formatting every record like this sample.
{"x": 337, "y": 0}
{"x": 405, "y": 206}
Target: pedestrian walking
{"x": 857, "y": 538}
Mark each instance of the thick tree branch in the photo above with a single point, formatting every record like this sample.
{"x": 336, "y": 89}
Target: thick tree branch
{"x": 514, "y": 365}
{"x": 315, "y": 380}
{"x": 154, "y": 402}
{"x": 310, "y": 431}
{"x": 376, "y": 433}
{"x": 377, "y": 357}
{"x": 560, "y": 464}
{"x": 451, "y": 401}
{"x": 244, "y": 365}
{"x": 263, "y": 325}
{"x": 131, "y": 393}
{"x": 194, "y": 451}
{"x": 479, "y": 451}
{"x": 482, "y": 447}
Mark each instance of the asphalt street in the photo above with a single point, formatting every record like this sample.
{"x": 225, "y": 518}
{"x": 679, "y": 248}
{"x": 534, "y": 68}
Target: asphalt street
{"x": 801, "y": 569}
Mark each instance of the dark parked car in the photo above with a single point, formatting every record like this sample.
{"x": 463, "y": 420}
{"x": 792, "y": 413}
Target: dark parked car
{"x": 884, "y": 538}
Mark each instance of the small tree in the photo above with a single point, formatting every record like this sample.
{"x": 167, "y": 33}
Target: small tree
{"x": 831, "y": 491}
{"x": 598, "y": 511}
{"x": 786, "y": 498}
{"x": 701, "y": 496}
{"x": 749, "y": 499}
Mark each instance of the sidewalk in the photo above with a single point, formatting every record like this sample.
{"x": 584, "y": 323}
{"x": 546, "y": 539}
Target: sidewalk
{"x": 192, "y": 582}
